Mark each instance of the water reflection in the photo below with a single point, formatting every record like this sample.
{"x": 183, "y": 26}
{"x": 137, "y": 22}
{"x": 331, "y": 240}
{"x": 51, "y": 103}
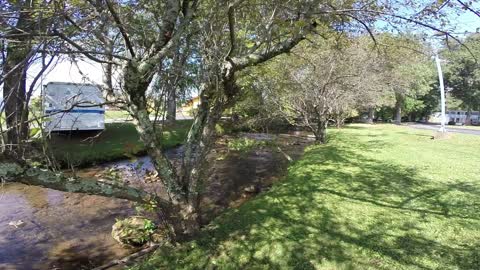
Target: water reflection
{"x": 53, "y": 221}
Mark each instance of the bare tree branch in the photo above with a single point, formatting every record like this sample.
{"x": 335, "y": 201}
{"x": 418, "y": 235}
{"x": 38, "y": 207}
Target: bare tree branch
{"x": 231, "y": 29}
{"x": 365, "y": 26}
{"x": 468, "y": 7}
{"x": 119, "y": 24}
{"x": 80, "y": 48}
{"x": 284, "y": 47}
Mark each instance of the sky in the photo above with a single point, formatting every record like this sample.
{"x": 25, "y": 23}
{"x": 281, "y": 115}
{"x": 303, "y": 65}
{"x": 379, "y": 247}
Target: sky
{"x": 65, "y": 71}
{"x": 467, "y": 21}
{"x": 458, "y": 23}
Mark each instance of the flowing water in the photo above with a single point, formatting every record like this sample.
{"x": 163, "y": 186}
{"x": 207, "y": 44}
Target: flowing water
{"x": 59, "y": 231}
{"x": 46, "y": 229}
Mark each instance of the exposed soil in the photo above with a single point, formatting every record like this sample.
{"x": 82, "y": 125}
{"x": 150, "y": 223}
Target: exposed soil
{"x": 58, "y": 230}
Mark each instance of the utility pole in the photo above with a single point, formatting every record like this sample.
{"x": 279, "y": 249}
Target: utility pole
{"x": 442, "y": 93}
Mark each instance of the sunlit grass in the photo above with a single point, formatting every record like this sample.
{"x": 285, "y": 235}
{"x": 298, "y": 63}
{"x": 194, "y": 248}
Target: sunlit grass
{"x": 112, "y": 115}
{"x": 381, "y": 197}
{"x": 118, "y": 140}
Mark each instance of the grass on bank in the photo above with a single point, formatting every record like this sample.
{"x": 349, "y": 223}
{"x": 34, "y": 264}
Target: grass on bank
{"x": 114, "y": 115}
{"x": 118, "y": 140}
{"x": 380, "y": 197}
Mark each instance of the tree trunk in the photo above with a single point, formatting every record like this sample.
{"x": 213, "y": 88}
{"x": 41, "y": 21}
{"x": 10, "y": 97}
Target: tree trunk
{"x": 321, "y": 132}
{"x": 398, "y": 108}
{"x": 371, "y": 115}
{"x": 14, "y": 93}
{"x": 468, "y": 118}
{"x": 338, "y": 122}
{"x": 175, "y": 81}
{"x": 214, "y": 100}
{"x": 136, "y": 84}
{"x": 200, "y": 141}
{"x": 171, "y": 105}
{"x": 11, "y": 171}
{"x": 14, "y": 85}
{"x": 186, "y": 215}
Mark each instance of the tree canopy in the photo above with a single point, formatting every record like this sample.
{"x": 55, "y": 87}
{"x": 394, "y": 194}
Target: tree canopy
{"x": 152, "y": 51}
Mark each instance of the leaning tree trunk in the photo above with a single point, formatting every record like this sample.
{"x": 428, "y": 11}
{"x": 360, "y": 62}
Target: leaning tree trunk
{"x": 12, "y": 171}
{"x": 215, "y": 98}
{"x": 136, "y": 84}
{"x": 199, "y": 142}
{"x": 187, "y": 215}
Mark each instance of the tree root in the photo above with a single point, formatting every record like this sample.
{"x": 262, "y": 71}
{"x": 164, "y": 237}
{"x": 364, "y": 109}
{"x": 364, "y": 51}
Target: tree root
{"x": 130, "y": 258}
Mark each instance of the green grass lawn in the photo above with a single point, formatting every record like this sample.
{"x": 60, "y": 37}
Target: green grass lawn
{"x": 375, "y": 197}
{"x": 118, "y": 140}
{"x": 116, "y": 115}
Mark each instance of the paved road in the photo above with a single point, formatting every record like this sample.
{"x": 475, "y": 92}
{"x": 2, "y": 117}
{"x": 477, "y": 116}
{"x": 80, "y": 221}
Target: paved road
{"x": 452, "y": 130}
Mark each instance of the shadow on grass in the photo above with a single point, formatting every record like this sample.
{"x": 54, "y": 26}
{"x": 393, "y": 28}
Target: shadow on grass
{"x": 342, "y": 209}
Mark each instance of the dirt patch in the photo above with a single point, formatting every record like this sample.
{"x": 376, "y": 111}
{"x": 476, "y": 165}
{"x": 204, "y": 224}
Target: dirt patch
{"x": 240, "y": 176}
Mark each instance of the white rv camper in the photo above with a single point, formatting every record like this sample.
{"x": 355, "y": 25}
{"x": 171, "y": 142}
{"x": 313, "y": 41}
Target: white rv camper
{"x": 73, "y": 106}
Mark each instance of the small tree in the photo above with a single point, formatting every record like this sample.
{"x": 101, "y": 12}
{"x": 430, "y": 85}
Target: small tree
{"x": 463, "y": 73}
{"x": 325, "y": 82}
{"x": 407, "y": 70}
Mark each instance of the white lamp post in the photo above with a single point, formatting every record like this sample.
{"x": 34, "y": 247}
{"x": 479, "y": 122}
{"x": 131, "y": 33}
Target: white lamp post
{"x": 442, "y": 93}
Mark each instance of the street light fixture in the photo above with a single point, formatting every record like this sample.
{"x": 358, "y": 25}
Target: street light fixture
{"x": 442, "y": 94}
{"x": 442, "y": 87}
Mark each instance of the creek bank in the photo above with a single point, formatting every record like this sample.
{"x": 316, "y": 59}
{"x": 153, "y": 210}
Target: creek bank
{"x": 73, "y": 231}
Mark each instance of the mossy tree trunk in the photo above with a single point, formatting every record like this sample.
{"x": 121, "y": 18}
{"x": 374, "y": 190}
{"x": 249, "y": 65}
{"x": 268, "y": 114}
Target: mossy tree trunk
{"x": 11, "y": 171}
{"x": 214, "y": 100}
{"x": 137, "y": 77}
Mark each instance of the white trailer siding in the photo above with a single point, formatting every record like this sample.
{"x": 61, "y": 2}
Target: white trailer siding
{"x": 70, "y": 106}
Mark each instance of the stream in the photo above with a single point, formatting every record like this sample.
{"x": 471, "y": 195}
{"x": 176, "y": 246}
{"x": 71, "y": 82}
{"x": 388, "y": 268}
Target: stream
{"x": 44, "y": 229}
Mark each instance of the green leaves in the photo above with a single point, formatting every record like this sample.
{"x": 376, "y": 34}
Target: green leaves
{"x": 463, "y": 72}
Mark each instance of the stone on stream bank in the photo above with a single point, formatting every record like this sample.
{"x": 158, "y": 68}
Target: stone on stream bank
{"x": 134, "y": 231}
